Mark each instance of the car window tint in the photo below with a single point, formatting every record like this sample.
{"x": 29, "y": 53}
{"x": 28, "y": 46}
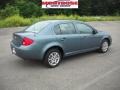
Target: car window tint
{"x": 67, "y": 28}
{"x": 37, "y": 27}
{"x": 83, "y": 29}
{"x": 57, "y": 29}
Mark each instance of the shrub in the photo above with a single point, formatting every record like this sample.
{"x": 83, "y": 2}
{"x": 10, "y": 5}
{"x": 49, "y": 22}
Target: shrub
{"x": 30, "y": 9}
{"x": 8, "y": 11}
{"x": 15, "y": 21}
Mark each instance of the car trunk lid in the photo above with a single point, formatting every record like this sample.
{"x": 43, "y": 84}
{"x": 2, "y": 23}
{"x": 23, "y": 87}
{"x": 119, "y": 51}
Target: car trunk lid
{"x": 18, "y": 37}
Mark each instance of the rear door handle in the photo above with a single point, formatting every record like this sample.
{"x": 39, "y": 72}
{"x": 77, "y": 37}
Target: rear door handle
{"x": 84, "y": 36}
{"x": 62, "y": 39}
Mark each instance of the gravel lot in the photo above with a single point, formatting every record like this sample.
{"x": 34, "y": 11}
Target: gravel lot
{"x": 89, "y": 71}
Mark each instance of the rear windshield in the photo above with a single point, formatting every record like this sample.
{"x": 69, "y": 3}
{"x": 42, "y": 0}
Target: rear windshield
{"x": 37, "y": 27}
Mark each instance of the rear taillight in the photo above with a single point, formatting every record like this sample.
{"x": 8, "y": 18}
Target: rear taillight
{"x": 27, "y": 41}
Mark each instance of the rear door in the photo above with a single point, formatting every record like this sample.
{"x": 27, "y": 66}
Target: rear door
{"x": 66, "y": 35}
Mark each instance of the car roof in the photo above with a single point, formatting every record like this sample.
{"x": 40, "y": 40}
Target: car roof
{"x": 61, "y": 21}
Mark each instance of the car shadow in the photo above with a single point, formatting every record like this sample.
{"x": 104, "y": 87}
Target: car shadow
{"x": 29, "y": 63}
{"x": 37, "y": 63}
{"x": 79, "y": 56}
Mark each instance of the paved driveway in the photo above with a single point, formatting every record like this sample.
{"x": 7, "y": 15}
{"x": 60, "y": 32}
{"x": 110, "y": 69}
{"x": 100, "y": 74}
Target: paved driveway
{"x": 89, "y": 71}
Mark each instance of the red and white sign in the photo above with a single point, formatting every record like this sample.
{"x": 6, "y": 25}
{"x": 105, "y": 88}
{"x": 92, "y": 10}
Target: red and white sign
{"x": 59, "y": 3}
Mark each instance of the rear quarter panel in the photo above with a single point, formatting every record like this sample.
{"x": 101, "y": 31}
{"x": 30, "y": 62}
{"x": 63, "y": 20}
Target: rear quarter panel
{"x": 44, "y": 42}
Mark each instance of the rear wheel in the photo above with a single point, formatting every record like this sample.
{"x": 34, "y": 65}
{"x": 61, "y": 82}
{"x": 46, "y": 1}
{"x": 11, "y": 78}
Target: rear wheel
{"x": 104, "y": 46}
{"x": 52, "y": 58}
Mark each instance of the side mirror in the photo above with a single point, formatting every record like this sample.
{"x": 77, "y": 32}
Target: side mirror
{"x": 94, "y": 31}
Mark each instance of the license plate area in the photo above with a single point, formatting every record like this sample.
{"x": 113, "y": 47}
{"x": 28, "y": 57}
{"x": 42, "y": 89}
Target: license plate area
{"x": 17, "y": 40}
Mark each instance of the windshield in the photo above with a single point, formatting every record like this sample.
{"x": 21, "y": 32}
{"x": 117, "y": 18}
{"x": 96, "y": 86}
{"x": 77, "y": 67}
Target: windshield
{"x": 37, "y": 27}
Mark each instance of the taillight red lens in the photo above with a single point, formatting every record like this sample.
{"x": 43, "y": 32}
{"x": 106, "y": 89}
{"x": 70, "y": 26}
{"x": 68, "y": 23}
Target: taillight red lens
{"x": 27, "y": 41}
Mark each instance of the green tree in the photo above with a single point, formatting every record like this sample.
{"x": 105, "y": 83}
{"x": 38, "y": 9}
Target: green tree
{"x": 29, "y": 9}
{"x": 9, "y": 10}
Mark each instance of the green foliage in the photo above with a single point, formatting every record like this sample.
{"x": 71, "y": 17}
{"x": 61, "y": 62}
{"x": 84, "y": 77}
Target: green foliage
{"x": 29, "y": 9}
{"x": 15, "y": 21}
{"x": 8, "y": 11}
{"x": 27, "y": 12}
{"x": 81, "y": 18}
{"x": 21, "y": 21}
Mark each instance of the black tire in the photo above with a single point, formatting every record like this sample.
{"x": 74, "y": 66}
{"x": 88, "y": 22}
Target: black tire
{"x": 101, "y": 50}
{"x": 47, "y": 59}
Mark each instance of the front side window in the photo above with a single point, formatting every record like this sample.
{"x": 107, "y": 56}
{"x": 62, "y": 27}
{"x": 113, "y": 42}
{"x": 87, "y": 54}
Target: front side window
{"x": 67, "y": 28}
{"x": 83, "y": 29}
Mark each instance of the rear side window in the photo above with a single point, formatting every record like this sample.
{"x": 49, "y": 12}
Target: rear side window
{"x": 83, "y": 29}
{"x": 37, "y": 27}
{"x": 67, "y": 28}
{"x": 57, "y": 29}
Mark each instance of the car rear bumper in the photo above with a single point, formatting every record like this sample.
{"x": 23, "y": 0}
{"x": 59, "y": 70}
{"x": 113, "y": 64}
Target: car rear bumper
{"x": 25, "y": 52}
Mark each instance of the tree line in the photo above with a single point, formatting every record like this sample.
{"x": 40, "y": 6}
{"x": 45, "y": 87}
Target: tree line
{"x": 32, "y": 8}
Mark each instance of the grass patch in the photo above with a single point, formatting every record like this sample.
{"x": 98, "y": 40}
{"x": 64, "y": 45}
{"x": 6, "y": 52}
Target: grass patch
{"x": 17, "y": 20}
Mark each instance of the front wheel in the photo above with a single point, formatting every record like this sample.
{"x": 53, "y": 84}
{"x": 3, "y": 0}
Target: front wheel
{"x": 104, "y": 46}
{"x": 52, "y": 58}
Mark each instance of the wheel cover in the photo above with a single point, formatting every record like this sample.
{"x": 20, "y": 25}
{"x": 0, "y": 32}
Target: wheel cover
{"x": 105, "y": 46}
{"x": 54, "y": 58}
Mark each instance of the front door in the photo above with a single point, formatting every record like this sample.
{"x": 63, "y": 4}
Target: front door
{"x": 87, "y": 40}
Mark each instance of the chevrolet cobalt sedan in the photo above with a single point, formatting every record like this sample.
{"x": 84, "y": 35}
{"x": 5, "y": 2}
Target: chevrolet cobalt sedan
{"x": 50, "y": 41}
